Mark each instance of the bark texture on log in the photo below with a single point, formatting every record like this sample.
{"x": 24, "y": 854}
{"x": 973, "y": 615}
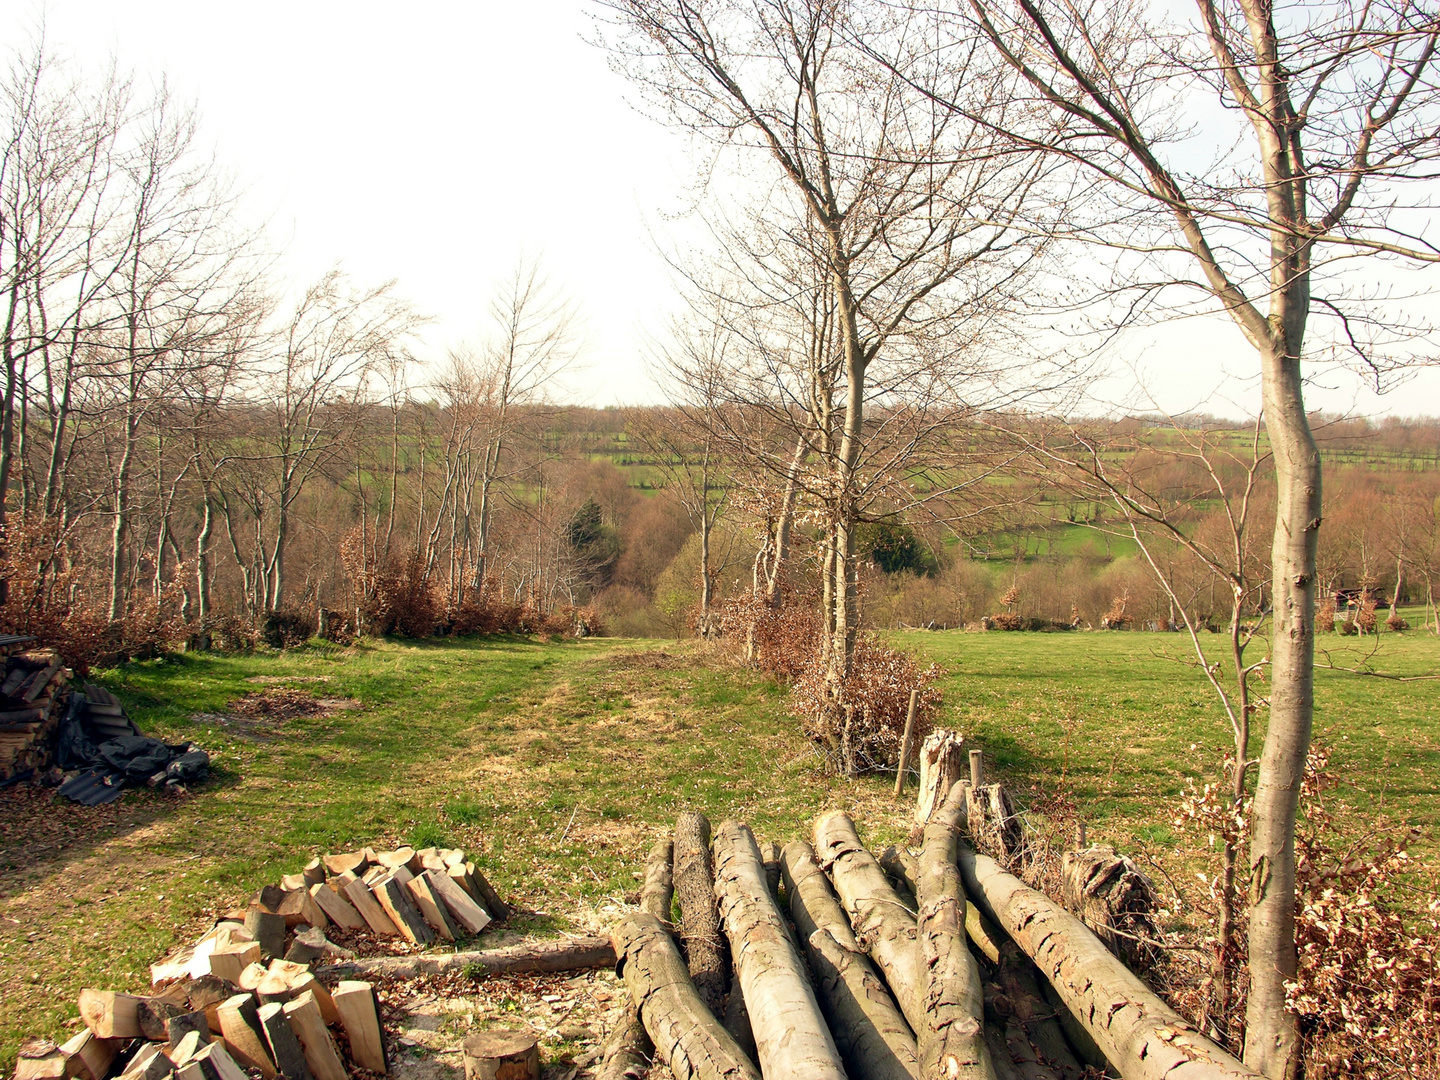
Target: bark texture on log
{"x": 954, "y": 1000}
{"x": 881, "y": 920}
{"x": 791, "y": 1036}
{"x": 1141, "y": 1036}
{"x": 1114, "y": 899}
{"x": 628, "y": 1053}
{"x": 868, "y": 1026}
{"x": 572, "y": 954}
{"x": 685, "y": 1033}
{"x": 699, "y": 920}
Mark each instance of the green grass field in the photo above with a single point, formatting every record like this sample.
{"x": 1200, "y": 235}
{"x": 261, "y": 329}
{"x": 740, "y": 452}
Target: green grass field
{"x": 558, "y": 764}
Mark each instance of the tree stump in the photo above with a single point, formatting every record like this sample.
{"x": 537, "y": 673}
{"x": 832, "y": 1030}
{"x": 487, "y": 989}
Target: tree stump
{"x": 1114, "y": 899}
{"x": 992, "y": 823}
{"x": 942, "y": 763}
{"x": 502, "y": 1055}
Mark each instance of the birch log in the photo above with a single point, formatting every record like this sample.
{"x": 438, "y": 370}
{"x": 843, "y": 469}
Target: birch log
{"x": 791, "y": 1036}
{"x": 685, "y": 1033}
{"x": 868, "y": 1027}
{"x": 954, "y": 1001}
{"x": 1141, "y": 1036}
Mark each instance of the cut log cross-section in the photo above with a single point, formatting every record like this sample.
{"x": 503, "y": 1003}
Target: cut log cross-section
{"x": 954, "y": 1001}
{"x": 501, "y": 1055}
{"x": 110, "y": 1015}
{"x": 684, "y": 1030}
{"x": 1141, "y": 1036}
{"x": 867, "y": 1025}
{"x": 699, "y": 920}
{"x": 791, "y": 1036}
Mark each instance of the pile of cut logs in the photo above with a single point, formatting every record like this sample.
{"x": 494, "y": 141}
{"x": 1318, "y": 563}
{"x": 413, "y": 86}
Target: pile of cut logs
{"x": 32, "y": 692}
{"x": 826, "y": 961}
{"x": 245, "y": 998}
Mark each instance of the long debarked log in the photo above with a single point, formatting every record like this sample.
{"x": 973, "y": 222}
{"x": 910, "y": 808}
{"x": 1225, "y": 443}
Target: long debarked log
{"x": 571, "y": 954}
{"x": 685, "y": 1033}
{"x": 1141, "y": 1036}
{"x": 699, "y": 920}
{"x": 954, "y": 1001}
{"x": 791, "y": 1036}
{"x": 627, "y": 1055}
{"x": 867, "y": 1025}
{"x": 877, "y": 914}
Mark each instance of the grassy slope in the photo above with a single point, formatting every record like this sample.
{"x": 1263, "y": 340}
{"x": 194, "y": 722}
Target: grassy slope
{"x": 560, "y": 763}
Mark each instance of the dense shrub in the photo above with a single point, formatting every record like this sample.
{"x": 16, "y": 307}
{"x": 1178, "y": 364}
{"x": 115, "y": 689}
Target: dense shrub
{"x": 859, "y": 721}
{"x": 286, "y": 629}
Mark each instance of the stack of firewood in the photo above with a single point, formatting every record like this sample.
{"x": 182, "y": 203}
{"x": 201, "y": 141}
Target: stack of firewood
{"x": 826, "y": 961}
{"x": 244, "y": 998}
{"x": 32, "y": 701}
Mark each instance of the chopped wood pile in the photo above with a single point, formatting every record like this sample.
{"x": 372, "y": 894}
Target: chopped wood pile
{"x": 245, "y": 999}
{"x": 32, "y": 701}
{"x": 823, "y": 960}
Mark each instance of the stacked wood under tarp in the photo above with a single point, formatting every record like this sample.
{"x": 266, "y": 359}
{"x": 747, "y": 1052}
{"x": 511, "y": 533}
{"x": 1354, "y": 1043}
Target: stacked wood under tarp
{"x": 32, "y": 701}
{"x": 823, "y": 960}
{"x": 247, "y": 997}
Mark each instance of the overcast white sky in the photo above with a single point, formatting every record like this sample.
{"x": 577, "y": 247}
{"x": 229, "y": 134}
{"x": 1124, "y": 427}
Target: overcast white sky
{"x": 435, "y": 143}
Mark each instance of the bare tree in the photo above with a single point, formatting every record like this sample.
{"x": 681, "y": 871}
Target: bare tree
{"x": 904, "y": 214}
{"x": 1327, "y": 108}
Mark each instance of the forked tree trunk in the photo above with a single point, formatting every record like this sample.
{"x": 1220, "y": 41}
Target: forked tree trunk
{"x": 868, "y": 1026}
{"x": 1141, "y": 1036}
{"x": 878, "y": 915}
{"x": 699, "y": 920}
{"x": 627, "y": 1055}
{"x": 791, "y": 1036}
{"x": 954, "y": 1001}
{"x": 685, "y": 1032}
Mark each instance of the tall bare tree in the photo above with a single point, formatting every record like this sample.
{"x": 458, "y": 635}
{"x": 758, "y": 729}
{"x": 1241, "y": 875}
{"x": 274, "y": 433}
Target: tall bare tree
{"x": 1257, "y": 208}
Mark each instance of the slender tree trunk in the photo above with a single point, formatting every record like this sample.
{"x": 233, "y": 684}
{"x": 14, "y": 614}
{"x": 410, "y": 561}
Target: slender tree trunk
{"x": 1271, "y": 1030}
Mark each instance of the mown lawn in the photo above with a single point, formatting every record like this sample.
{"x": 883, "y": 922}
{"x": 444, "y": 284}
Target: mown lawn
{"x": 558, "y": 764}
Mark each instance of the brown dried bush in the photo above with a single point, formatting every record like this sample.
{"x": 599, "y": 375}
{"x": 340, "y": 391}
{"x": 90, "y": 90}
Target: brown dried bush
{"x": 1325, "y": 617}
{"x": 859, "y": 721}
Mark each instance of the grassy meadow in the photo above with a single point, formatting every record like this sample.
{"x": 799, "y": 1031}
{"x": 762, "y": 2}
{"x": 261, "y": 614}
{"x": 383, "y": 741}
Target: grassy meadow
{"x": 559, "y": 763}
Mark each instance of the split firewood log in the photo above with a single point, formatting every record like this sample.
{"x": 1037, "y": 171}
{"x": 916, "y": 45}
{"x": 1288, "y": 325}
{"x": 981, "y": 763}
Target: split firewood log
{"x": 432, "y": 908}
{"x": 791, "y": 1036}
{"x": 240, "y": 1027}
{"x": 1113, "y": 897}
{"x": 110, "y": 1015}
{"x": 360, "y": 1016}
{"x": 321, "y": 1056}
{"x": 878, "y": 915}
{"x": 285, "y": 1049}
{"x": 148, "y": 1063}
{"x": 375, "y": 916}
{"x": 954, "y": 1000}
{"x": 685, "y": 1032}
{"x": 694, "y": 878}
{"x": 457, "y": 902}
{"x": 1141, "y": 1036}
{"x": 867, "y": 1025}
